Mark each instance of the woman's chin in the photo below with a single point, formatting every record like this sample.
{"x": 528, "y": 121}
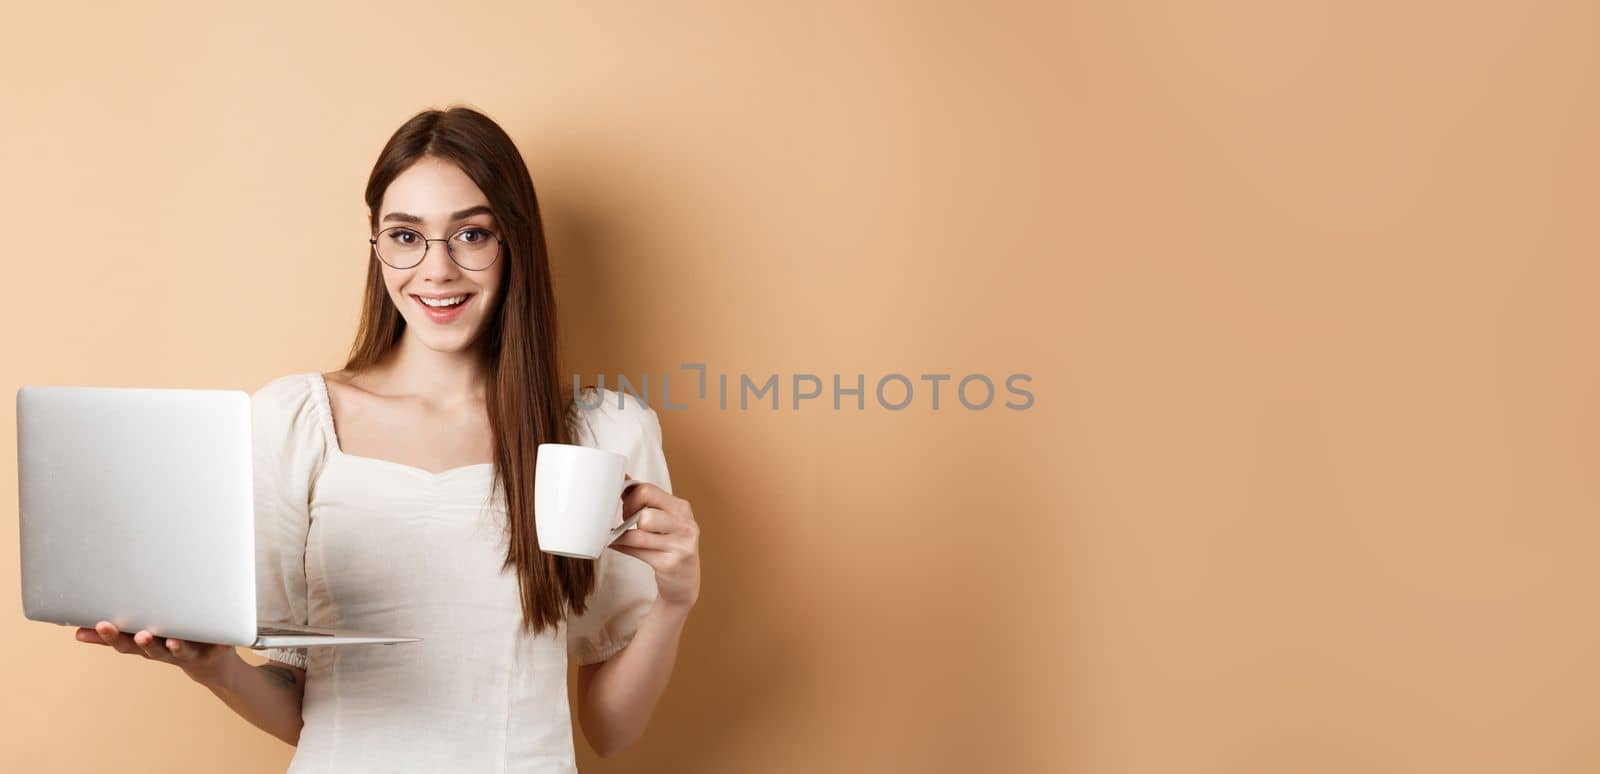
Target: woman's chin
{"x": 441, "y": 338}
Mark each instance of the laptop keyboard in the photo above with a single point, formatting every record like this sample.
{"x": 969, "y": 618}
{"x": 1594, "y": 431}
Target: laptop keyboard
{"x": 268, "y": 631}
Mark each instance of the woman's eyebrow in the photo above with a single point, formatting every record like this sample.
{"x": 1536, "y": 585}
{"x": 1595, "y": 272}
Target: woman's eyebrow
{"x": 481, "y": 209}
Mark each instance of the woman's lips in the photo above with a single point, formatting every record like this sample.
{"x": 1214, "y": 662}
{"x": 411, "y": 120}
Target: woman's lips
{"x": 446, "y": 313}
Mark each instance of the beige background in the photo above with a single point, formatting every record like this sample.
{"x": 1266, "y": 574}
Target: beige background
{"x": 1306, "y": 291}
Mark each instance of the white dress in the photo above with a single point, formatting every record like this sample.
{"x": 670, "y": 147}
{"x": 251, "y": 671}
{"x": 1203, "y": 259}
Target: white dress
{"x": 376, "y": 545}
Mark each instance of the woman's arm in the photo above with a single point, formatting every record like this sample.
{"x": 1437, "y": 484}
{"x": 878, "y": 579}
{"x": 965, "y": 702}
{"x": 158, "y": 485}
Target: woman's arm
{"x": 269, "y": 696}
{"x": 616, "y": 696}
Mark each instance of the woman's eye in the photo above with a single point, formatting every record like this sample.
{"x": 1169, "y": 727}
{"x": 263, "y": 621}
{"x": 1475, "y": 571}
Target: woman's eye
{"x": 470, "y": 235}
{"x": 403, "y": 237}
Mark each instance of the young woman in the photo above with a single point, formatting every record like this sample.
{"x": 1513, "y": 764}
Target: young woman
{"x": 395, "y": 496}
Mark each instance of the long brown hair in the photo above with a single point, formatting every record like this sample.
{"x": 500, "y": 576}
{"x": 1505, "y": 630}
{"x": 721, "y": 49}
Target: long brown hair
{"x": 527, "y": 404}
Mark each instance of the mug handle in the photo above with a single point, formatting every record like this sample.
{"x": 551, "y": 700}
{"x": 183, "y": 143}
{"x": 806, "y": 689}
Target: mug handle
{"x": 617, "y": 531}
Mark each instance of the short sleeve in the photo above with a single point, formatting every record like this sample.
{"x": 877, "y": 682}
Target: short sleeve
{"x": 287, "y": 448}
{"x": 625, "y": 587}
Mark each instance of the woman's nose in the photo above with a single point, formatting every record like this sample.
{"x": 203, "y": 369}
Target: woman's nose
{"x": 436, "y": 261}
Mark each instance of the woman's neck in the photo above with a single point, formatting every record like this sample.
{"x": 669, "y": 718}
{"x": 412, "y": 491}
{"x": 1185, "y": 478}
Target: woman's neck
{"x": 411, "y": 368}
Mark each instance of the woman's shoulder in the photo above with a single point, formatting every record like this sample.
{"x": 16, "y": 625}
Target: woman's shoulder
{"x": 604, "y": 414}
{"x": 288, "y": 404}
{"x": 610, "y": 405}
{"x": 626, "y": 424}
{"x": 287, "y": 389}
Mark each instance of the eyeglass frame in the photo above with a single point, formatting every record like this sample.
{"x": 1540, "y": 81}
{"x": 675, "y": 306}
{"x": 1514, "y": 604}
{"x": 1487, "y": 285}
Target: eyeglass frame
{"x": 499, "y": 249}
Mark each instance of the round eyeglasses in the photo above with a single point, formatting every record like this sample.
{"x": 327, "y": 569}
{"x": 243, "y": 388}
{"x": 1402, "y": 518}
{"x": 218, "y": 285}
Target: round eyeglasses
{"x": 473, "y": 248}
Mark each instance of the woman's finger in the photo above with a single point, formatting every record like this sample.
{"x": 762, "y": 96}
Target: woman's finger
{"x": 151, "y": 649}
{"x": 642, "y": 538}
{"x": 646, "y": 495}
{"x": 650, "y": 556}
{"x": 677, "y": 519}
{"x": 653, "y": 520}
{"x": 182, "y": 651}
{"x": 120, "y": 642}
{"x": 85, "y": 634}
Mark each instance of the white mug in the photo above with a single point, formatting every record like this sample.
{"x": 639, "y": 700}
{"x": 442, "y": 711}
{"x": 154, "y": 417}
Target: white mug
{"x": 577, "y": 499}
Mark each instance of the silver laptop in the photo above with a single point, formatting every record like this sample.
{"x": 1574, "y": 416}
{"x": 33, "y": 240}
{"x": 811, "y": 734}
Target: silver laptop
{"x": 137, "y": 508}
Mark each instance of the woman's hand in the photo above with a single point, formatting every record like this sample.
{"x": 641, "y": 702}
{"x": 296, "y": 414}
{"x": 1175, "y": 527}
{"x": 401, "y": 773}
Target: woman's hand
{"x": 666, "y": 538}
{"x": 203, "y": 662}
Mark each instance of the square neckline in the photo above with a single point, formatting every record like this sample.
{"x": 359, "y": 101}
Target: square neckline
{"x": 326, "y": 405}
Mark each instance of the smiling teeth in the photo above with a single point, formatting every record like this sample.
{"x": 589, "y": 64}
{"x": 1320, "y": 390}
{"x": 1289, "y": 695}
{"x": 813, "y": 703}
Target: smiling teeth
{"x": 443, "y": 301}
